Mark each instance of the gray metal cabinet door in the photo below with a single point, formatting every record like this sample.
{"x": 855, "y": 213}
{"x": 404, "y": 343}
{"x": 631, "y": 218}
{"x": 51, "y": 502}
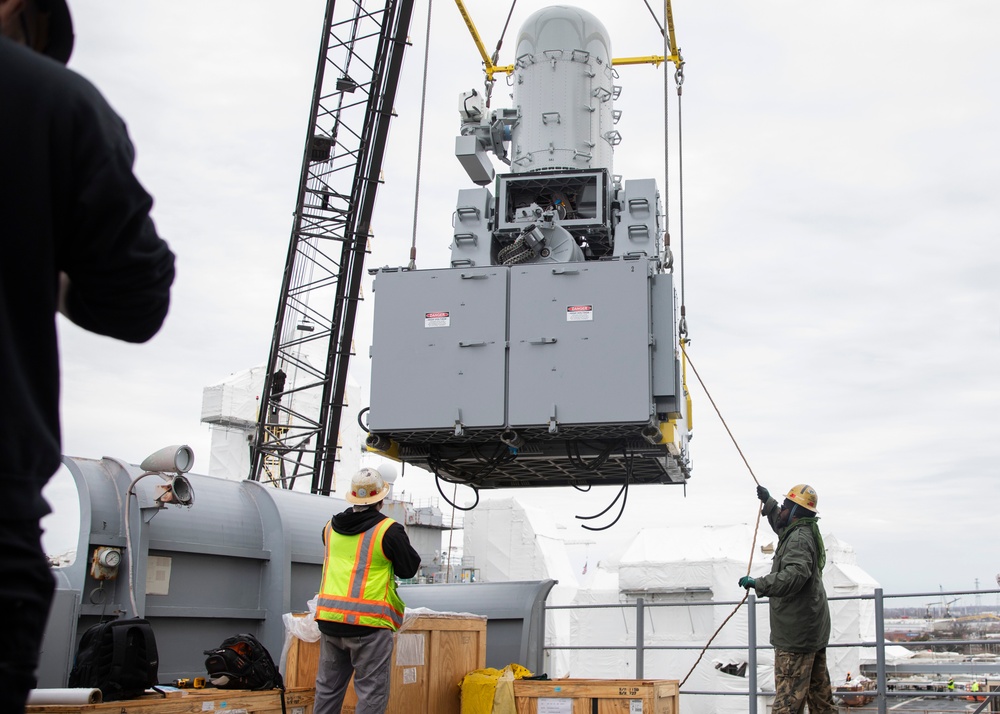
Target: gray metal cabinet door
{"x": 666, "y": 366}
{"x": 438, "y": 349}
{"x": 579, "y": 343}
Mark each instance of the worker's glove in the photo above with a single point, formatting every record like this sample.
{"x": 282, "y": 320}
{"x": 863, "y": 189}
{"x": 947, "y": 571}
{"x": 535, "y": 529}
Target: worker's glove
{"x": 763, "y": 494}
{"x": 746, "y": 581}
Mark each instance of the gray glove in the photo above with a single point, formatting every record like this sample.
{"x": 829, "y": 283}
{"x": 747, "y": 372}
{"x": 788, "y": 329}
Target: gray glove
{"x": 763, "y": 494}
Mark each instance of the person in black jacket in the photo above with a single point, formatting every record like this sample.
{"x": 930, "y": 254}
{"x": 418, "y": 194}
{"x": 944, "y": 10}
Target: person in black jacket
{"x": 357, "y": 608}
{"x": 75, "y": 237}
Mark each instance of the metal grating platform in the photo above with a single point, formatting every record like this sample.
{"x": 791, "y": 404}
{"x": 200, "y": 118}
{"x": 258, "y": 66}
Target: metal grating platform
{"x": 549, "y": 461}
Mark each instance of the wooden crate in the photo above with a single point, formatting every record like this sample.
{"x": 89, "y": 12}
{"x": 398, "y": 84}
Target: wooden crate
{"x": 597, "y": 696}
{"x": 301, "y": 663}
{"x": 452, "y": 647}
{"x": 193, "y": 701}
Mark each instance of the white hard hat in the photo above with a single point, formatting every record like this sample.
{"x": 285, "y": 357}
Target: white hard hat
{"x": 367, "y": 486}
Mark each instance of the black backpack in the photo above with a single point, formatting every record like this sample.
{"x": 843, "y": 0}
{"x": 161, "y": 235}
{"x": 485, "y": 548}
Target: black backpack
{"x": 118, "y": 657}
{"x": 242, "y": 662}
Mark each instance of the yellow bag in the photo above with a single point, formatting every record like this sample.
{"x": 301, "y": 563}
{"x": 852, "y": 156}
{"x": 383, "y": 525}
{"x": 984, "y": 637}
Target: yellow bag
{"x": 491, "y": 691}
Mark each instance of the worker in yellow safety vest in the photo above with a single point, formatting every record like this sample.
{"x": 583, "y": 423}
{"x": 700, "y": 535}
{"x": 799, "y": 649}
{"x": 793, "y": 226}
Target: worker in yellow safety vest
{"x": 357, "y": 608}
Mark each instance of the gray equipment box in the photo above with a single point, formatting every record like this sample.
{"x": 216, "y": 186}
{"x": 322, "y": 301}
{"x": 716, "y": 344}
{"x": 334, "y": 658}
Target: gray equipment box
{"x": 439, "y": 350}
{"x": 579, "y": 339}
{"x": 579, "y": 344}
{"x": 537, "y": 374}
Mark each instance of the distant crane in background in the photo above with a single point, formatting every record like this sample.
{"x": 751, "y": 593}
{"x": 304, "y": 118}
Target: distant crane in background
{"x": 944, "y": 605}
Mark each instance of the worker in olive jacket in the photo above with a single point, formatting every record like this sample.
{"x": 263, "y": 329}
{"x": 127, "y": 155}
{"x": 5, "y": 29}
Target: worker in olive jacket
{"x": 800, "y": 615}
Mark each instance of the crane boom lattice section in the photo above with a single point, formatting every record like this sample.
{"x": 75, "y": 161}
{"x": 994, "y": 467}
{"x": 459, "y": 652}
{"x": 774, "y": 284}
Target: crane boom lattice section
{"x": 352, "y": 105}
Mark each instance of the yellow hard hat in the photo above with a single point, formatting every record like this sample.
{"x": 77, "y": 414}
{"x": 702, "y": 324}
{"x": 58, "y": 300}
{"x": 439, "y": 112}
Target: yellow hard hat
{"x": 804, "y": 495}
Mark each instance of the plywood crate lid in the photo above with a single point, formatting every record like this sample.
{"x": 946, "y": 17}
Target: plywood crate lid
{"x": 610, "y": 696}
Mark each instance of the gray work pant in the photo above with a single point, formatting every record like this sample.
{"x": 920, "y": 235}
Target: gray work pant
{"x": 368, "y": 658}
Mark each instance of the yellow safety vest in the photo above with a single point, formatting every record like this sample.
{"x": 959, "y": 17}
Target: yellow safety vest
{"x": 359, "y": 587}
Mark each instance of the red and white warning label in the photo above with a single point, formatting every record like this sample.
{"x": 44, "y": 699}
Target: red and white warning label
{"x": 437, "y": 319}
{"x": 579, "y": 313}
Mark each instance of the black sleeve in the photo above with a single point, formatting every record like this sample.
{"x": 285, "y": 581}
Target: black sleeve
{"x": 120, "y": 270}
{"x": 397, "y": 548}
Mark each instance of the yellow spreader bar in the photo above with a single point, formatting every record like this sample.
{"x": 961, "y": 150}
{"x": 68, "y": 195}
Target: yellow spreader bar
{"x": 492, "y": 69}
{"x": 489, "y": 67}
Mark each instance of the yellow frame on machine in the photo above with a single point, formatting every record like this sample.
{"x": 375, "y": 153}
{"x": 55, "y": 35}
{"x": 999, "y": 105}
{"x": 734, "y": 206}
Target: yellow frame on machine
{"x": 656, "y": 60}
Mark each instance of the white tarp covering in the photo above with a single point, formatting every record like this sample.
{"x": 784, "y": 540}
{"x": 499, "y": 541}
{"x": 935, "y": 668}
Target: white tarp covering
{"x": 510, "y": 542}
{"x": 231, "y": 405}
{"x": 666, "y": 567}
{"x": 894, "y": 654}
{"x": 853, "y": 620}
{"x": 234, "y": 399}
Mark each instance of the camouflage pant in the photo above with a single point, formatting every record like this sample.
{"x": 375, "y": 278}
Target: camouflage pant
{"x": 802, "y": 678}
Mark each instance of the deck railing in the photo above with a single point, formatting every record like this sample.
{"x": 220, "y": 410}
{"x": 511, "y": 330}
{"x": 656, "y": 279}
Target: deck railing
{"x": 882, "y": 693}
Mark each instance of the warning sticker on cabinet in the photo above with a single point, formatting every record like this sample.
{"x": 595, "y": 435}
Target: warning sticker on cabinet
{"x": 578, "y": 313}
{"x": 437, "y": 319}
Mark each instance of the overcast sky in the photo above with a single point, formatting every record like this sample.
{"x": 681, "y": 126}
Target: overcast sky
{"x": 841, "y": 247}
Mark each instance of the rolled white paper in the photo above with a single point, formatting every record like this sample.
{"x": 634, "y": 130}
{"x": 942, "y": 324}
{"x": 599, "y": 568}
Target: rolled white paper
{"x": 64, "y": 696}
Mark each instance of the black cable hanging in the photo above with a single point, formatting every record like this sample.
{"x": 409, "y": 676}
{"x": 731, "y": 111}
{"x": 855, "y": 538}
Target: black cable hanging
{"x": 437, "y": 482}
{"x": 622, "y": 493}
{"x": 577, "y": 460}
{"x": 474, "y": 479}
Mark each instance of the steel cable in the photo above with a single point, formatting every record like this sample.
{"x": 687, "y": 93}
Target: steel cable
{"x": 753, "y": 545}
{"x": 679, "y": 81}
{"x": 420, "y": 139}
{"x": 656, "y": 20}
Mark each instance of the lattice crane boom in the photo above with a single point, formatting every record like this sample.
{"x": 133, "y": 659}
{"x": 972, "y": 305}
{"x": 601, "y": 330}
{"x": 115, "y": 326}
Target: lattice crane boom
{"x": 357, "y": 74}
